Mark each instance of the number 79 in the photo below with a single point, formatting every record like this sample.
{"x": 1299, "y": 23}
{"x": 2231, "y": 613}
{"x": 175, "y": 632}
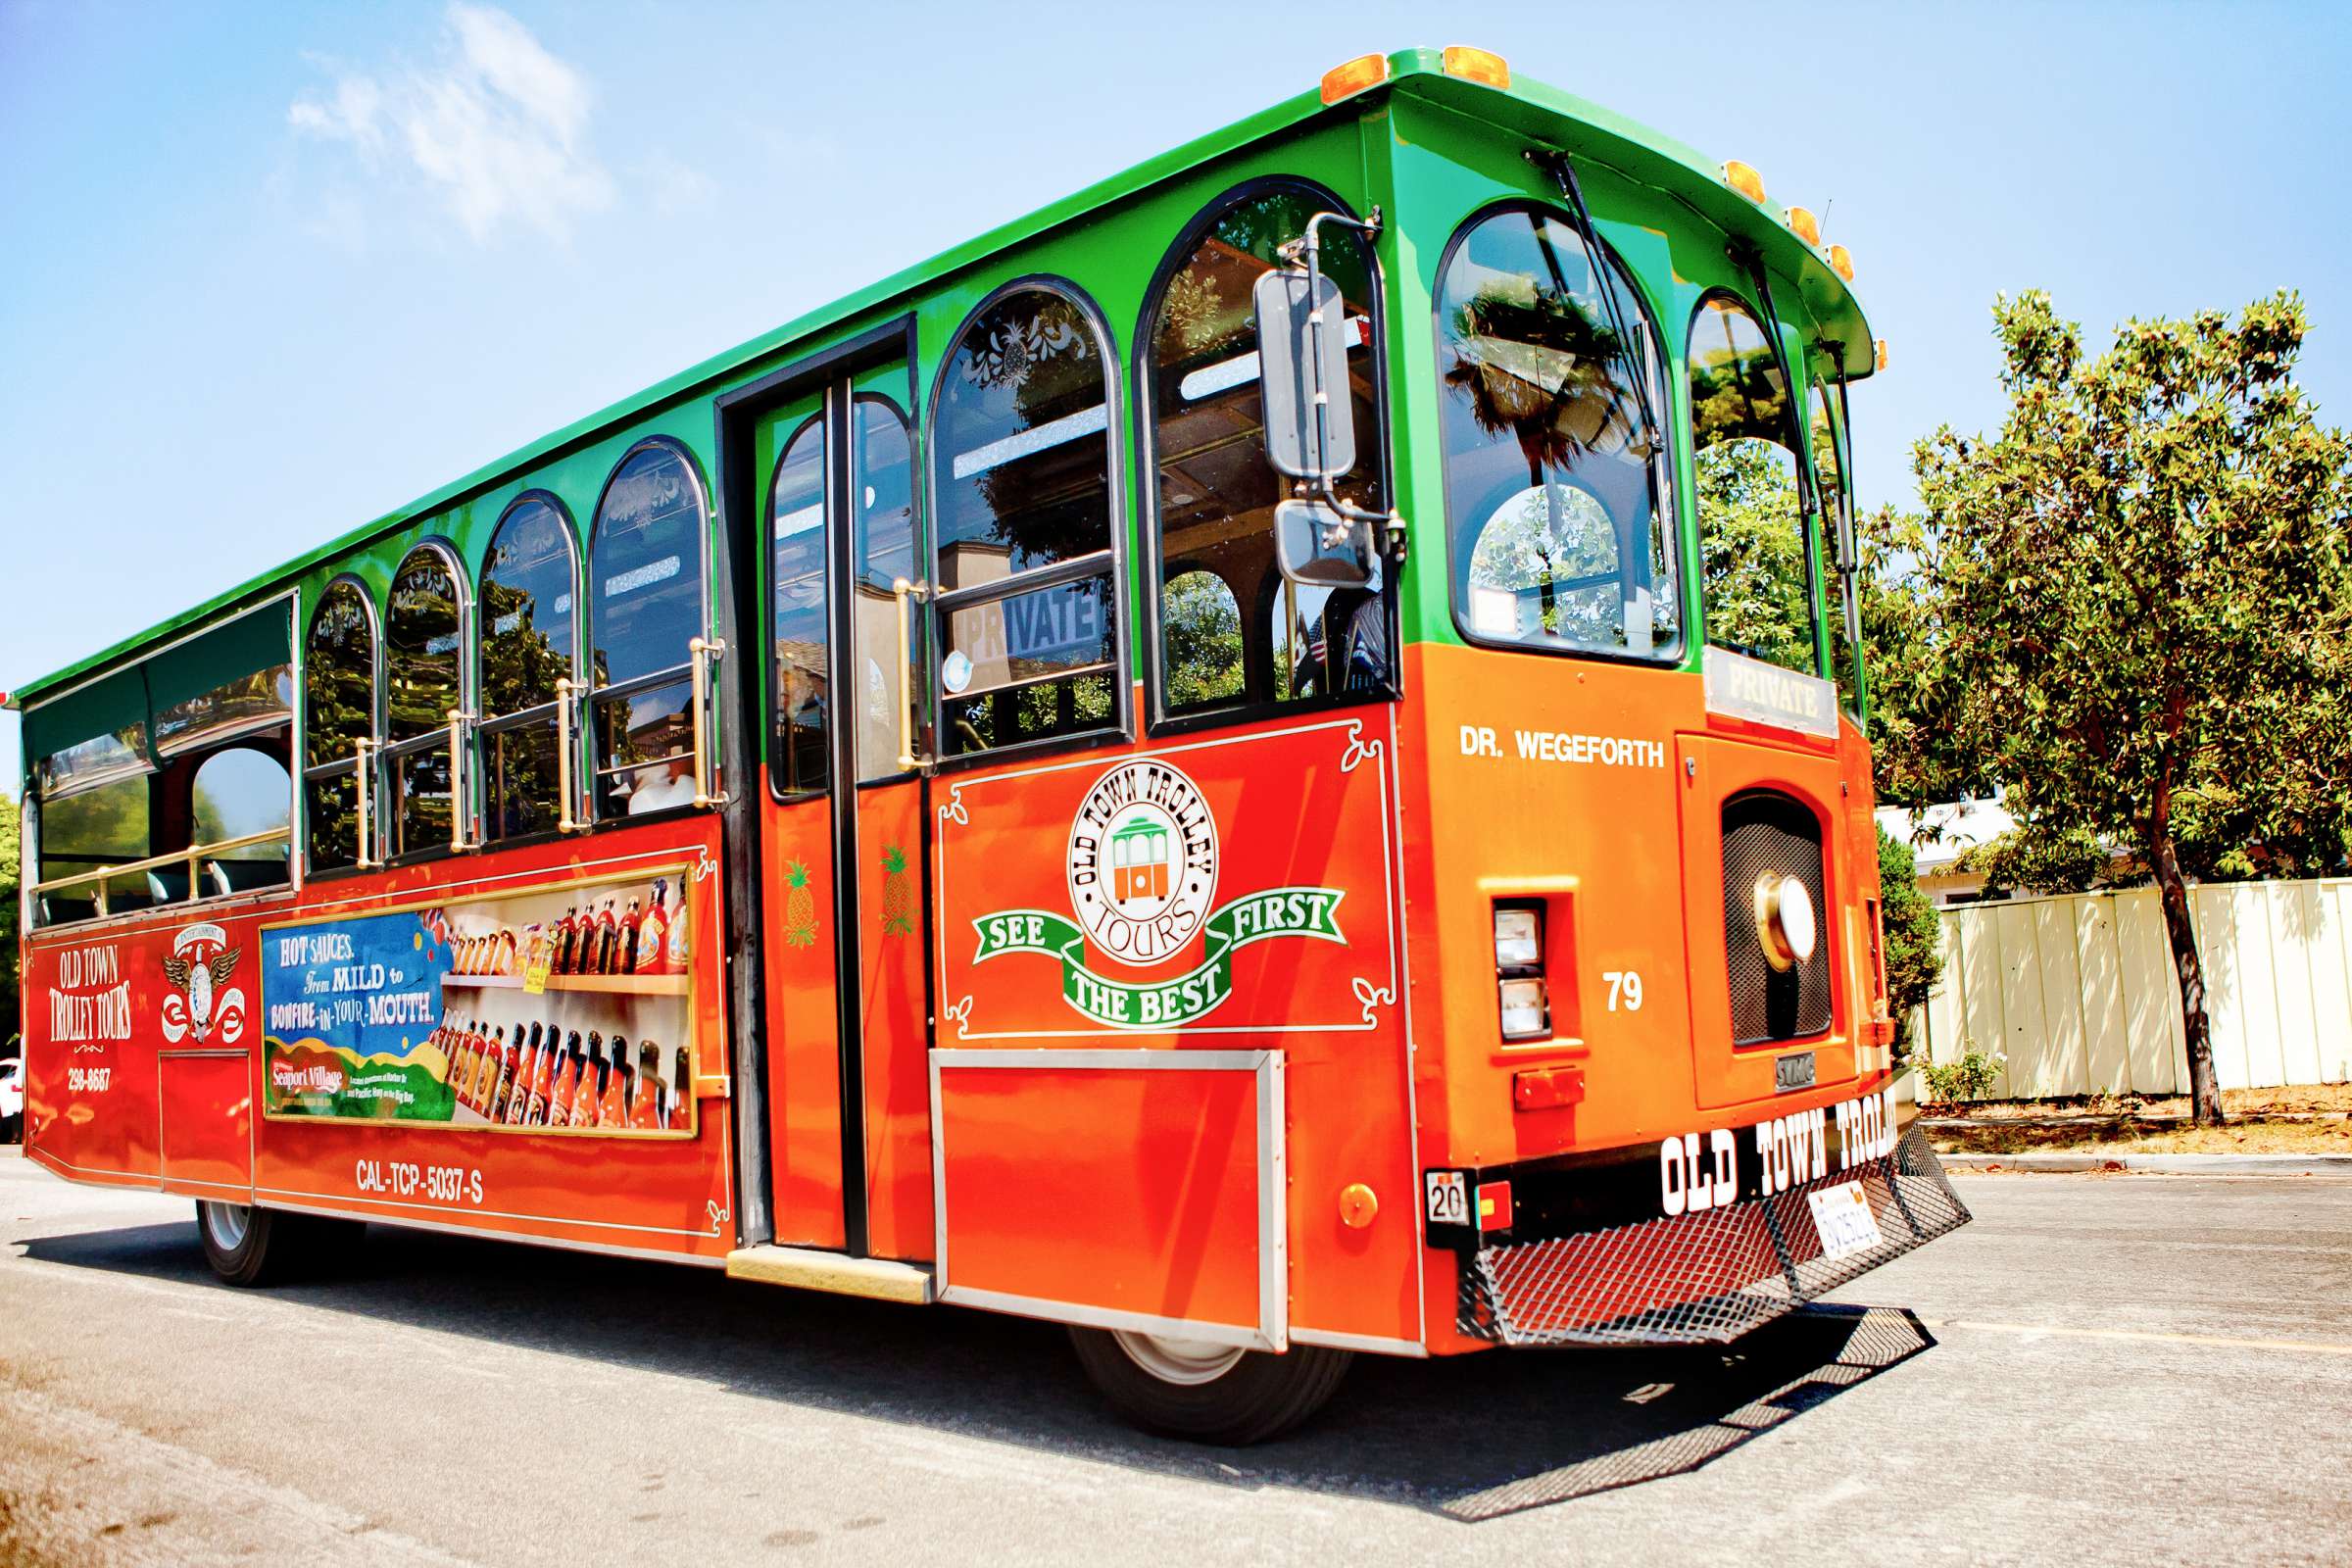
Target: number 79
{"x": 1624, "y": 988}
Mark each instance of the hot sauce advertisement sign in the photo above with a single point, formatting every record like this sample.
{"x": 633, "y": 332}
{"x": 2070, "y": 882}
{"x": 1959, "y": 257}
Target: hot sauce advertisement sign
{"x": 1184, "y": 896}
{"x": 352, "y": 1014}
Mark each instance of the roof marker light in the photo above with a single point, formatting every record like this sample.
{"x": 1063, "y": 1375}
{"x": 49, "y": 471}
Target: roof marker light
{"x": 1477, "y": 64}
{"x": 1353, "y": 77}
{"x": 1879, "y": 355}
{"x": 1805, "y": 225}
{"x": 1842, "y": 261}
{"x": 1743, "y": 179}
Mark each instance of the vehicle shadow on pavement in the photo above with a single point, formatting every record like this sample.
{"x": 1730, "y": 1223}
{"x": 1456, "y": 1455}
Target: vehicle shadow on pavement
{"x": 1467, "y": 1438}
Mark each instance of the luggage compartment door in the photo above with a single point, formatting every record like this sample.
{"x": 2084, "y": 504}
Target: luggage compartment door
{"x": 1139, "y": 1190}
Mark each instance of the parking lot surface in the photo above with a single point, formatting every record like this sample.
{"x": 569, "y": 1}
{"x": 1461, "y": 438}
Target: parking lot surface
{"x": 2143, "y": 1368}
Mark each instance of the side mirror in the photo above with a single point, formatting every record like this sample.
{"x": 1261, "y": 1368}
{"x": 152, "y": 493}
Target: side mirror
{"x": 1315, "y": 547}
{"x": 1303, "y": 353}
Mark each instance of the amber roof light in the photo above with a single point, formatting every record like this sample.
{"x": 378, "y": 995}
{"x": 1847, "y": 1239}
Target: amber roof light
{"x": 1805, "y": 225}
{"x": 1842, "y": 261}
{"x": 1477, "y": 64}
{"x": 1347, "y": 80}
{"x": 1743, "y": 179}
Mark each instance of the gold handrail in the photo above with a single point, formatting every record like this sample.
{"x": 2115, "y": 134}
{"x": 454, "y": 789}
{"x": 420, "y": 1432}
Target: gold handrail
{"x": 904, "y": 592}
{"x": 701, "y": 651}
{"x": 565, "y": 823}
{"x": 156, "y": 863}
{"x": 458, "y": 802}
{"x": 362, "y": 775}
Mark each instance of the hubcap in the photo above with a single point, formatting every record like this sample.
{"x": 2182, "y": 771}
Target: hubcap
{"x": 1188, "y": 1363}
{"x": 225, "y": 1222}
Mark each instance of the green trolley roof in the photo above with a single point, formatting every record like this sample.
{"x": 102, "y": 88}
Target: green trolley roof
{"x": 1542, "y": 113}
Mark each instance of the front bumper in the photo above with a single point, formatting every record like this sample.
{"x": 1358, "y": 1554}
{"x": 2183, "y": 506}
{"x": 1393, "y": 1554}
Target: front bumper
{"x": 1701, "y": 1278}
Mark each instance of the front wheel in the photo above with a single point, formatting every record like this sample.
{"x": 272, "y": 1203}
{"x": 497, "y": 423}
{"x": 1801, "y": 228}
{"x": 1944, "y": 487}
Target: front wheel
{"x": 1206, "y": 1392}
{"x": 260, "y": 1246}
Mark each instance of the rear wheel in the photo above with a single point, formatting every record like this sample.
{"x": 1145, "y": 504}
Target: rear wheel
{"x": 248, "y": 1246}
{"x": 1206, "y": 1392}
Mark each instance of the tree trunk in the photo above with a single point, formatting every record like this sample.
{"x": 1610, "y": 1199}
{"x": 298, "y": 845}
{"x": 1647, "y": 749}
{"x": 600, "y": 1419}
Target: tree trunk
{"x": 2204, "y": 1090}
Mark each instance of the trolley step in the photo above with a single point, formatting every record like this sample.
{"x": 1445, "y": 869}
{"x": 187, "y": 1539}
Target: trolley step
{"x": 843, "y": 1275}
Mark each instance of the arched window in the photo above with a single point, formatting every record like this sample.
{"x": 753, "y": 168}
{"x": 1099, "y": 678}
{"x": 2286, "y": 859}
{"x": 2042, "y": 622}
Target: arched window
{"x": 1755, "y": 559}
{"x": 529, "y": 615}
{"x": 1022, "y": 453}
{"x": 424, "y": 680}
{"x": 338, "y": 683}
{"x": 1562, "y": 530}
{"x": 1214, "y": 492}
{"x": 1845, "y": 609}
{"x": 645, "y": 571}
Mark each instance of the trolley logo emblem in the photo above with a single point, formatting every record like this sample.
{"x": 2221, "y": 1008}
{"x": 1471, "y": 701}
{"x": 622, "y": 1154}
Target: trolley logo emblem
{"x": 200, "y": 965}
{"x": 1143, "y": 879}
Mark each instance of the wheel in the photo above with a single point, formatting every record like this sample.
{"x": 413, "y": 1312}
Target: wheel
{"x": 261, "y": 1245}
{"x": 1206, "y": 1392}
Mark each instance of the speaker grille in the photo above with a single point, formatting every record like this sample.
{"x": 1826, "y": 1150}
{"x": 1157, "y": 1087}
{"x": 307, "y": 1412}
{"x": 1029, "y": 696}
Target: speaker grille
{"x": 1765, "y": 833}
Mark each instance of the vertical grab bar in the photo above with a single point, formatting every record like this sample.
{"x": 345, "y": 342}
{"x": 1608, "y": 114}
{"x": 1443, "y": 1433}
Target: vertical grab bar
{"x": 701, "y": 650}
{"x": 565, "y": 823}
{"x": 906, "y": 593}
{"x": 361, "y": 769}
{"x": 457, "y": 842}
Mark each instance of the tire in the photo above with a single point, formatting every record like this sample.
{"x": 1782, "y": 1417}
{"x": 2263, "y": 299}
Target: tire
{"x": 1208, "y": 1393}
{"x": 251, "y": 1246}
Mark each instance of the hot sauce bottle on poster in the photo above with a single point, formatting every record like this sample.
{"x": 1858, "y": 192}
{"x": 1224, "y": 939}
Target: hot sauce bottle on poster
{"x": 478, "y": 1050}
{"x": 612, "y": 1106}
{"x": 567, "y": 1082}
{"x": 520, "y": 1101}
{"x": 679, "y": 1095}
{"x": 652, "y": 930}
{"x": 621, "y": 945}
{"x": 493, "y": 1068}
{"x": 592, "y": 1070}
{"x": 644, "y": 1104}
{"x": 510, "y": 1075}
{"x": 456, "y": 1055}
{"x": 561, "y": 936}
{"x": 673, "y": 952}
{"x": 608, "y": 931}
{"x": 543, "y": 1081}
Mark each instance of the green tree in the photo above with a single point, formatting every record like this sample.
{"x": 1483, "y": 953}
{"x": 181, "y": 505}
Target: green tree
{"x": 1913, "y": 937}
{"x": 2137, "y": 607}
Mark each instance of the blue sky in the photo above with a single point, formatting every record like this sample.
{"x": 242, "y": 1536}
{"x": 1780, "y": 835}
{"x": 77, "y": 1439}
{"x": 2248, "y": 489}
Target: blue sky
{"x": 272, "y": 269}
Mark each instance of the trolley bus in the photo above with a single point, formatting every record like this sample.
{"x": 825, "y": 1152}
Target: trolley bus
{"x": 1264, "y": 763}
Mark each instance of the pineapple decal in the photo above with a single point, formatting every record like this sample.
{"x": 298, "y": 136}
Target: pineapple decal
{"x": 898, "y": 897}
{"x": 799, "y": 906}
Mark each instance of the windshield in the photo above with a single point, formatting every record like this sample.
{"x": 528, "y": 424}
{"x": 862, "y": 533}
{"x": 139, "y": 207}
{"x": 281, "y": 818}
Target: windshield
{"x": 1755, "y": 563}
{"x": 1559, "y": 531}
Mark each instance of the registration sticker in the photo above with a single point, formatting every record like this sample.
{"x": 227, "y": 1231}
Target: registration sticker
{"x": 1842, "y": 1216}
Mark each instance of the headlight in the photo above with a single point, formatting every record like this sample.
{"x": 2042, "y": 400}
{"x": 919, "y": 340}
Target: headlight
{"x": 1526, "y": 1009}
{"x": 1518, "y": 939}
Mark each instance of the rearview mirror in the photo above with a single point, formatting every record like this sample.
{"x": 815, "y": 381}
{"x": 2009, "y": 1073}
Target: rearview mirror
{"x": 1315, "y": 547}
{"x": 1303, "y": 352}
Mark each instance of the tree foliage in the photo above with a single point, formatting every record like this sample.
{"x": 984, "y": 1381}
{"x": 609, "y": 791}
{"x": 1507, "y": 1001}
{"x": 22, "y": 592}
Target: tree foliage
{"x": 1913, "y": 937}
{"x": 2135, "y": 609}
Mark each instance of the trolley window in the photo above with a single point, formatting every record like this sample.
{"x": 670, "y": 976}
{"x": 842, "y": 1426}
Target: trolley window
{"x": 1755, "y": 556}
{"x": 804, "y": 685}
{"x": 339, "y": 683}
{"x": 1024, "y": 448}
{"x": 1561, "y": 531}
{"x": 424, "y": 624}
{"x": 1845, "y": 611}
{"x": 645, "y": 566}
{"x": 1232, "y": 631}
{"x": 531, "y": 582}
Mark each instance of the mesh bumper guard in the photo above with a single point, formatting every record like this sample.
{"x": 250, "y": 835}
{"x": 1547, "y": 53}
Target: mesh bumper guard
{"x": 1705, "y": 1278}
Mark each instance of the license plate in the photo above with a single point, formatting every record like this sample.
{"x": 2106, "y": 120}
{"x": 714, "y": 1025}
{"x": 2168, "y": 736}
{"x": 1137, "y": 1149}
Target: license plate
{"x": 1793, "y": 1071}
{"x": 1843, "y": 1217}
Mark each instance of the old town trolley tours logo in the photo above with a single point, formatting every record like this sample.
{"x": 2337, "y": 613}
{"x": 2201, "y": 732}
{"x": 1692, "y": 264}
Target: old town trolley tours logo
{"x": 202, "y": 1000}
{"x": 1143, "y": 866}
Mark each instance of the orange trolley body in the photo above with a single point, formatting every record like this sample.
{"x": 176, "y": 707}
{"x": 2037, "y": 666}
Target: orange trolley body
{"x": 1503, "y": 997}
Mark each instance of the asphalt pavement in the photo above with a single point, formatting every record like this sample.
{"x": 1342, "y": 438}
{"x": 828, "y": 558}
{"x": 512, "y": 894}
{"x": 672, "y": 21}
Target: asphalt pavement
{"x": 2103, "y": 1368}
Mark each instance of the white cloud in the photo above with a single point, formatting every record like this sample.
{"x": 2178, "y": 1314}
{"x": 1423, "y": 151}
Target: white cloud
{"x": 496, "y": 130}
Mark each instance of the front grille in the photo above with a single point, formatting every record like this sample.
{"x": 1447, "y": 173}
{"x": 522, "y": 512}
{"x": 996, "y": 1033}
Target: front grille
{"x": 1704, "y": 1278}
{"x": 1766, "y": 833}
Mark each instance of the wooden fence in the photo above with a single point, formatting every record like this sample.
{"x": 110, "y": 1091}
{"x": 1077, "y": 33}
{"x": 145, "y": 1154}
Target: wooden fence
{"x": 2078, "y": 991}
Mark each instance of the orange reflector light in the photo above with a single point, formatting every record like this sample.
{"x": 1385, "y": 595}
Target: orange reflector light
{"x": 1881, "y": 354}
{"x": 1495, "y": 1205}
{"x": 1744, "y": 180}
{"x": 1805, "y": 225}
{"x": 1842, "y": 261}
{"x": 1477, "y": 64}
{"x": 1344, "y": 80}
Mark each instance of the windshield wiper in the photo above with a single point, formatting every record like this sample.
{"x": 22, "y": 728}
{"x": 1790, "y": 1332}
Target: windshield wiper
{"x": 1563, "y": 174}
